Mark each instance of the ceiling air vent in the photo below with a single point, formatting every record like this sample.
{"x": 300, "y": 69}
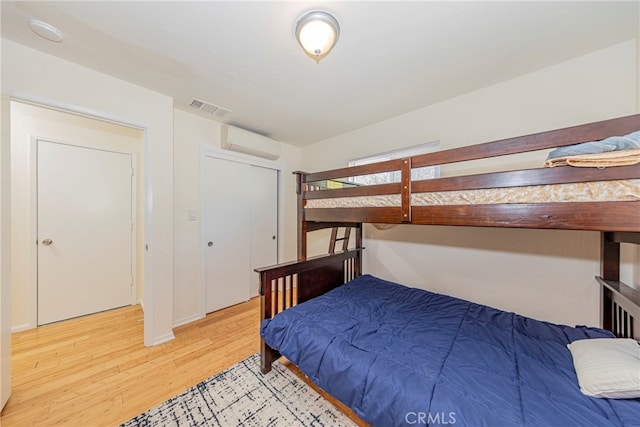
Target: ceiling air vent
{"x": 208, "y": 107}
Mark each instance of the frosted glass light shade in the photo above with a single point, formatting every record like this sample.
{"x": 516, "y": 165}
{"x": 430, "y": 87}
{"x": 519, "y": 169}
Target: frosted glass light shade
{"x": 317, "y": 32}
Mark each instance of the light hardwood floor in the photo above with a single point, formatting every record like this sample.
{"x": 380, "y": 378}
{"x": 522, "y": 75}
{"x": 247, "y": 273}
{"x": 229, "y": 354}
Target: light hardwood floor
{"x": 95, "y": 370}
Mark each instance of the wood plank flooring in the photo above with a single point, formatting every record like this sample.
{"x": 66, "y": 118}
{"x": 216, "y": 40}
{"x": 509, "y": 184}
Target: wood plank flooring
{"x": 96, "y": 371}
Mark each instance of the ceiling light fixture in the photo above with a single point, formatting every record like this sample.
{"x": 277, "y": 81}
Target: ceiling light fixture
{"x": 317, "y": 32}
{"x": 45, "y": 30}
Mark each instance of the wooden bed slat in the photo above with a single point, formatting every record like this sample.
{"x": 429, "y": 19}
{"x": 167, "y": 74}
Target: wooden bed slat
{"x": 568, "y": 216}
{"x": 389, "y": 215}
{"x": 386, "y": 166}
{"x": 313, "y": 226}
{"x": 538, "y": 141}
{"x": 287, "y": 268}
{"x": 521, "y": 178}
{"x": 365, "y": 190}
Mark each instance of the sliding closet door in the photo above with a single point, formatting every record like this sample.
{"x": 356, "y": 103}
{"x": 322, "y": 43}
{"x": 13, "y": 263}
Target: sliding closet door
{"x": 264, "y": 221}
{"x": 241, "y": 229}
{"x": 227, "y": 232}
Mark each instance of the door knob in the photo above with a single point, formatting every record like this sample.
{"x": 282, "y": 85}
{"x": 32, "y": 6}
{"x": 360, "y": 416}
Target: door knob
{"x": 47, "y": 242}
{"x": 273, "y": 237}
{"x": 210, "y": 244}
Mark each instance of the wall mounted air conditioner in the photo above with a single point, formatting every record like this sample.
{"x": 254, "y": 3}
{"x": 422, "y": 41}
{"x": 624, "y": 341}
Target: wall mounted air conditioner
{"x": 243, "y": 141}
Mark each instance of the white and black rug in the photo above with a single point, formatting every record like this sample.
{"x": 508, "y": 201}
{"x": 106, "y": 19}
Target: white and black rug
{"x": 243, "y": 396}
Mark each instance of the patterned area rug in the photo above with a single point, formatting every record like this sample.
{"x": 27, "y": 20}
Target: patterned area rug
{"x": 243, "y": 396}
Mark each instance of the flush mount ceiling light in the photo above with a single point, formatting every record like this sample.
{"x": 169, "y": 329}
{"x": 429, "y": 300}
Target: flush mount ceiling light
{"x": 317, "y": 32}
{"x": 45, "y": 30}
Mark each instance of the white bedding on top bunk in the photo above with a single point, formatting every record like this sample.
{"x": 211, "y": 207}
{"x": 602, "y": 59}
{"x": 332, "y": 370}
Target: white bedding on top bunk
{"x": 599, "y": 191}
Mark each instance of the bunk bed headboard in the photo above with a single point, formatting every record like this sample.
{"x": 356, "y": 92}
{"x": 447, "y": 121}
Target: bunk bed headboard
{"x": 284, "y": 285}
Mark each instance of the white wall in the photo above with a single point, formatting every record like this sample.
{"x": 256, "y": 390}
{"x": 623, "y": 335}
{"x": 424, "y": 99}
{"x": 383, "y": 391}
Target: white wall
{"x": 194, "y": 134}
{"x": 5, "y": 256}
{"x": 32, "y": 75}
{"x": 29, "y": 121}
{"x": 542, "y": 274}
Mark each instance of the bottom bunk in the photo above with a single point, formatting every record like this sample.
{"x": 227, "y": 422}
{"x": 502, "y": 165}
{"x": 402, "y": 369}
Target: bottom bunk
{"x": 404, "y": 356}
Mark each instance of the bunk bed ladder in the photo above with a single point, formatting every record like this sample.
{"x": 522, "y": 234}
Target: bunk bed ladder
{"x": 334, "y": 239}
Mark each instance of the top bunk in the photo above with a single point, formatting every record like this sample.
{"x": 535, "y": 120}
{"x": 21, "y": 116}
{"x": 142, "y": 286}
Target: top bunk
{"x": 594, "y": 191}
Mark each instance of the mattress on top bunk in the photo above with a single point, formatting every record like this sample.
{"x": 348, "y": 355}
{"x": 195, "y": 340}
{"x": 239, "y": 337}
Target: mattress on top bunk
{"x": 597, "y": 191}
{"x": 394, "y": 354}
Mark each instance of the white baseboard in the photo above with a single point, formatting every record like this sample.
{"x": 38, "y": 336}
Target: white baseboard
{"x": 27, "y": 326}
{"x": 186, "y": 320}
{"x": 163, "y": 338}
{"x": 20, "y": 328}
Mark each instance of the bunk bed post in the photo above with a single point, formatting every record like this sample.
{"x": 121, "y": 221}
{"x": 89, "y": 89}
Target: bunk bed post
{"x": 267, "y": 354}
{"x": 405, "y": 191}
{"x": 358, "y": 260}
{"x": 609, "y": 270}
{"x": 302, "y": 224}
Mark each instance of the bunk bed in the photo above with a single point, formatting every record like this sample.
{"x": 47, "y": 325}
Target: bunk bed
{"x": 446, "y": 360}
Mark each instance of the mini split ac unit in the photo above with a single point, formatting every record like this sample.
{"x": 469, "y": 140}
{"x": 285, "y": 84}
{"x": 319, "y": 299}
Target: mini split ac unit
{"x": 243, "y": 141}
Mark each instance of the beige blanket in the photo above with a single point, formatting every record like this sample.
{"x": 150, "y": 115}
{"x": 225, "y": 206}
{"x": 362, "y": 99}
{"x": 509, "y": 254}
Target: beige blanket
{"x": 599, "y": 160}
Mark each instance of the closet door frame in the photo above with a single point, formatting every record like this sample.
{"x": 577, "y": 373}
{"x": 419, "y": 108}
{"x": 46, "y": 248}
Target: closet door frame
{"x": 208, "y": 151}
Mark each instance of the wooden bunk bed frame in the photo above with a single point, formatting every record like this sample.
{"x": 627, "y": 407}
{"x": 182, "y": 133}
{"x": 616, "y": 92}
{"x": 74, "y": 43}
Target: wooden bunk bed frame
{"x": 288, "y": 284}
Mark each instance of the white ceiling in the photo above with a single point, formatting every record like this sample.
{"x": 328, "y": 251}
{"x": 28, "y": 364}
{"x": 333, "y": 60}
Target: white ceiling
{"x": 392, "y": 57}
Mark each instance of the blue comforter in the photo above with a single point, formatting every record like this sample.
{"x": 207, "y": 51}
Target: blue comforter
{"x": 613, "y": 143}
{"x": 402, "y": 356}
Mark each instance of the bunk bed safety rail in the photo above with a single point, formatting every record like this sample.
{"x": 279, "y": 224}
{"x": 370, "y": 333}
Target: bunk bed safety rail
{"x": 328, "y": 196}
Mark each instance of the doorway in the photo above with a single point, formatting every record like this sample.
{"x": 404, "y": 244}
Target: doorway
{"x": 32, "y": 127}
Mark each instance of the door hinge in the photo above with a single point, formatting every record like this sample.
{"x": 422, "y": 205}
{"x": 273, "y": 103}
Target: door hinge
{"x": 133, "y": 172}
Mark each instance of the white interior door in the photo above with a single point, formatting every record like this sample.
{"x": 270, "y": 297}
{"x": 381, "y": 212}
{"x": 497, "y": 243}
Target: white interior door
{"x": 227, "y": 232}
{"x": 264, "y": 221}
{"x": 85, "y": 231}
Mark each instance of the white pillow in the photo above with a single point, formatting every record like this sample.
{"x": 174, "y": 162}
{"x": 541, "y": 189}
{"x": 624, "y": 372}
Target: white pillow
{"x": 607, "y": 367}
